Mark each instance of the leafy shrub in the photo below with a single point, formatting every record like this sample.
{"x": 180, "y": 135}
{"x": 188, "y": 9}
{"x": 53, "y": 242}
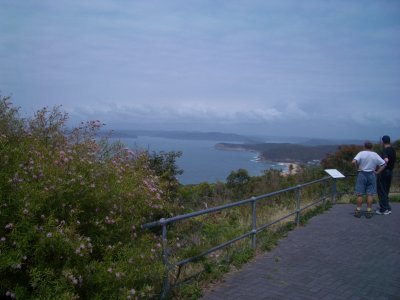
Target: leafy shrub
{"x": 341, "y": 159}
{"x": 71, "y": 206}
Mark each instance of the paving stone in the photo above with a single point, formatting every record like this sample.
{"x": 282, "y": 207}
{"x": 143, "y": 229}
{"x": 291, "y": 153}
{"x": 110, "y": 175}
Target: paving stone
{"x": 335, "y": 256}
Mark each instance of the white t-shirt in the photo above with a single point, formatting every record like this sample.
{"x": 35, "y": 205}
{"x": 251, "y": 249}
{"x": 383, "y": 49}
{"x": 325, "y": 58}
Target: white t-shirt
{"x": 367, "y": 161}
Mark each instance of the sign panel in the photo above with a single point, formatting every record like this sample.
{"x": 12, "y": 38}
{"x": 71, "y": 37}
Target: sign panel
{"x": 334, "y": 173}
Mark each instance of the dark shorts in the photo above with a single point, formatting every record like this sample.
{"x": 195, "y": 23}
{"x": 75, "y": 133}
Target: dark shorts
{"x": 366, "y": 183}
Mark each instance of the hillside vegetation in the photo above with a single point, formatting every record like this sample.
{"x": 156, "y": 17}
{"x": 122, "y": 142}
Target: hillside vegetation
{"x": 71, "y": 207}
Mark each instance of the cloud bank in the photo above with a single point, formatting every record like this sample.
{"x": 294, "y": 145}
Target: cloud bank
{"x": 309, "y": 68}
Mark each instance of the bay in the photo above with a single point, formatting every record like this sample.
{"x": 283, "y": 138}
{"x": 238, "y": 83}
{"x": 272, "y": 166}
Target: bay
{"x": 200, "y": 161}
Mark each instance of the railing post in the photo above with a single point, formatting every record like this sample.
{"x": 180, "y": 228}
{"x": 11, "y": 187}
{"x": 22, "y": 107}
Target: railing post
{"x": 298, "y": 206}
{"x": 166, "y": 285}
{"x": 324, "y": 193}
{"x": 254, "y": 222}
{"x": 334, "y": 191}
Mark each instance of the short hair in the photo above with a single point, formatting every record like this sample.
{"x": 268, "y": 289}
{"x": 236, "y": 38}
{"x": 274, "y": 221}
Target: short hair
{"x": 386, "y": 139}
{"x": 368, "y": 145}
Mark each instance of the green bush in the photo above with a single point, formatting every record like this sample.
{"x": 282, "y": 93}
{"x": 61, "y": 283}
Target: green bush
{"x": 71, "y": 206}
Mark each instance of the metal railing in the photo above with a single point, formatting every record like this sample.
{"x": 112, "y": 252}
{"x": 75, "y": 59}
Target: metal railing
{"x": 254, "y": 228}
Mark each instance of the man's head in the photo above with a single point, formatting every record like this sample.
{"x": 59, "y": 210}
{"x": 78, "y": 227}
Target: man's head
{"x": 386, "y": 139}
{"x": 368, "y": 145}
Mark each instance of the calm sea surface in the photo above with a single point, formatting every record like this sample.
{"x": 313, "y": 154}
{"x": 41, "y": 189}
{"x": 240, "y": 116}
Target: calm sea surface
{"x": 200, "y": 161}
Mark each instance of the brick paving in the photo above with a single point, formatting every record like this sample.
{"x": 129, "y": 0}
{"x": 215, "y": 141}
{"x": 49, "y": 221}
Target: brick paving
{"x": 334, "y": 256}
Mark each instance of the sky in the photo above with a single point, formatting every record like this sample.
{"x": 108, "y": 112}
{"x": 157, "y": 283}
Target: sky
{"x": 315, "y": 68}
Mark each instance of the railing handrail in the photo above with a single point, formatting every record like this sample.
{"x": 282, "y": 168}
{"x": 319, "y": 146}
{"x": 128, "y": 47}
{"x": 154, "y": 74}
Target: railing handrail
{"x": 163, "y": 221}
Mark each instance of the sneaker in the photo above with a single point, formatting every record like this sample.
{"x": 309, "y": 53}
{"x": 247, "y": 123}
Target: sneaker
{"x": 383, "y": 212}
{"x": 357, "y": 213}
{"x": 369, "y": 214}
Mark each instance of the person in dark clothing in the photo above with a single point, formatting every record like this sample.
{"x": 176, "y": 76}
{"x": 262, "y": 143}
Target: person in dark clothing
{"x": 384, "y": 179}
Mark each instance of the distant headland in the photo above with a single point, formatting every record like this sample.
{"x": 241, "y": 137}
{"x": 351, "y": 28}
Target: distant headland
{"x": 283, "y": 152}
{"x": 269, "y": 148}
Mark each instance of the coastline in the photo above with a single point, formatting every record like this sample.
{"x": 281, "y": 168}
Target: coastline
{"x": 291, "y": 168}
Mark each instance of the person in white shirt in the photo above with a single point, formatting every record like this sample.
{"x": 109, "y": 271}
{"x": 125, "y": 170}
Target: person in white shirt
{"x": 368, "y": 164}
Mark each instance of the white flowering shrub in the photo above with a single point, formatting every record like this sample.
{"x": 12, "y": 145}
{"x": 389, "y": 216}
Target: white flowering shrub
{"x": 71, "y": 207}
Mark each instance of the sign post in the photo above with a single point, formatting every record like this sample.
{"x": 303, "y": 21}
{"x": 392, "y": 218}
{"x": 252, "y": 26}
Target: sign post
{"x": 335, "y": 174}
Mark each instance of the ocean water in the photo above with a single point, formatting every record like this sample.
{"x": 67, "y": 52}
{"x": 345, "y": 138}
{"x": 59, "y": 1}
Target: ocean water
{"x": 200, "y": 161}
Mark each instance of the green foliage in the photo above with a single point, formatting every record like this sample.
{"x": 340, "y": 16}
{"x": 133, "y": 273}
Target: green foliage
{"x": 238, "y": 178}
{"x": 164, "y": 166}
{"x": 395, "y": 198}
{"x": 215, "y": 270}
{"x": 191, "y": 291}
{"x": 242, "y": 256}
{"x": 237, "y": 182}
{"x": 195, "y": 197}
{"x": 71, "y": 207}
{"x": 341, "y": 159}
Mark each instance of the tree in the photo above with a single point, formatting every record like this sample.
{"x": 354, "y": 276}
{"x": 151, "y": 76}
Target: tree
{"x": 342, "y": 158}
{"x": 164, "y": 165}
{"x": 237, "y": 182}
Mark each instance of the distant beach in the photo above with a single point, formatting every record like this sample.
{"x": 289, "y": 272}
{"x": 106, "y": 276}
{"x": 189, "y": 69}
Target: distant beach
{"x": 291, "y": 168}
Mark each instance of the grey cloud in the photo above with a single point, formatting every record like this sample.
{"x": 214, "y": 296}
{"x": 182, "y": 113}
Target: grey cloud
{"x": 283, "y": 64}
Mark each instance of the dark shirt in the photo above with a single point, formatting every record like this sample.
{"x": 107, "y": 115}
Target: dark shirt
{"x": 390, "y": 154}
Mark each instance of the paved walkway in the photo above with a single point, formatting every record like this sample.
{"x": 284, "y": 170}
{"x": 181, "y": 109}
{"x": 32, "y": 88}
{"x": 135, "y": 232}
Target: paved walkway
{"x": 335, "y": 256}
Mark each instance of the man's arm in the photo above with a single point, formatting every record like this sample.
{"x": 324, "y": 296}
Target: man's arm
{"x": 355, "y": 162}
{"x": 380, "y": 169}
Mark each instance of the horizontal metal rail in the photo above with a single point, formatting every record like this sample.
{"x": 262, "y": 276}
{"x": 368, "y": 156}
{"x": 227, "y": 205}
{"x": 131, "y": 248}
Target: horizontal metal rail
{"x": 261, "y": 228}
{"x": 223, "y": 245}
{"x": 163, "y": 221}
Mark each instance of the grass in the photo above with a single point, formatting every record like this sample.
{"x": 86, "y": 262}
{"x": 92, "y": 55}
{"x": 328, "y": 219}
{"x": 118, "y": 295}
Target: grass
{"x": 351, "y": 198}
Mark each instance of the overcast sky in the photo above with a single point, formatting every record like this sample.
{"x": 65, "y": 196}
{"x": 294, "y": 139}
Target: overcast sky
{"x": 317, "y": 68}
